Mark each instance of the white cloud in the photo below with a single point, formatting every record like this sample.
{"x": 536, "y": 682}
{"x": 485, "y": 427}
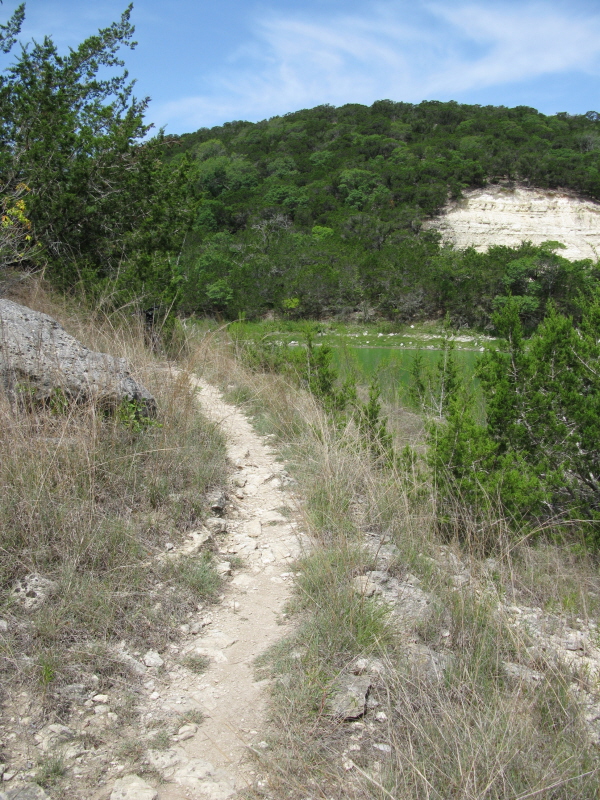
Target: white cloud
{"x": 391, "y": 50}
{"x": 521, "y": 44}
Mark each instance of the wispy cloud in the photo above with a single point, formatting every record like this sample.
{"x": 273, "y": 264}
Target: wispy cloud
{"x": 391, "y": 49}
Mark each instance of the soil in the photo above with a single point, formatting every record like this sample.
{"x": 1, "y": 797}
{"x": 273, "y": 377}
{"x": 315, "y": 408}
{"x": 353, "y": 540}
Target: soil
{"x": 248, "y": 620}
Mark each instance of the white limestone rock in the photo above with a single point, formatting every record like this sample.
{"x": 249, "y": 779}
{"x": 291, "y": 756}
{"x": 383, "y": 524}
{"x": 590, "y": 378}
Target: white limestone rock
{"x": 132, "y": 787}
{"x": 502, "y": 215}
{"x": 38, "y": 354}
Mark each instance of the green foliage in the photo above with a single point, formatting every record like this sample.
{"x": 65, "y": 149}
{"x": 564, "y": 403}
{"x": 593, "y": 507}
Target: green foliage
{"x": 536, "y": 456}
{"x": 321, "y": 377}
{"x": 327, "y": 205}
{"x": 101, "y": 207}
{"x": 291, "y": 303}
{"x": 17, "y": 246}
{"x": 59, "y": 402}
{"x": 47, "y": 669}
{"x": 320, "y": 232}
{"x": 133, "y": 415}
{"x": 374, "y": 428}
{"x": 433, "y": 392}
{"x": 309, "y": 366}
{"x": 324, "y": 207}
{"x": 50, "y": 771}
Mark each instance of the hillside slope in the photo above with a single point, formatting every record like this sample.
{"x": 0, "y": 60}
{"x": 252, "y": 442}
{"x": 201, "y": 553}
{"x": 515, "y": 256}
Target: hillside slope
{"x": 328, "y": 210}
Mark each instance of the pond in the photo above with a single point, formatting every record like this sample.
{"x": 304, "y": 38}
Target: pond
{"x": 393, "y": 366}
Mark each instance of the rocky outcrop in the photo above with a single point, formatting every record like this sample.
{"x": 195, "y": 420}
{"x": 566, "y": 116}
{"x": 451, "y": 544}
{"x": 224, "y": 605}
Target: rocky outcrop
{"x": 502, "y": 215}
{"x": 39, "y": 358}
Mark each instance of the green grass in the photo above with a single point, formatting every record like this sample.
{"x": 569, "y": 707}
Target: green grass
{"x": 50, "y": 771}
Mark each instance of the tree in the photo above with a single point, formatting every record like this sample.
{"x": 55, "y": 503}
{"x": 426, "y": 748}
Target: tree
{"x": 10, "y": 31}
{"x": 98, "y": 193}
{"x": 537, "y": 453}
{"x": 16, "y": 242}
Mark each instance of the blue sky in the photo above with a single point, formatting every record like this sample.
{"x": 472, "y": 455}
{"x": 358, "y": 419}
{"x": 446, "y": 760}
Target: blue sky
{"x": 207, "y": 62}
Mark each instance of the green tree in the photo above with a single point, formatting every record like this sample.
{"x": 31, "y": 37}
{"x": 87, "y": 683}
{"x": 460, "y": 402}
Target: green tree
{"x": 373, "y": 427}
{"x": 74, "y": 134}
{"x": 536, "y": 455}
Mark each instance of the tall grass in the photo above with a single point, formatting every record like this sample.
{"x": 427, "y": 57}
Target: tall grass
{"x": 88, "y": 502}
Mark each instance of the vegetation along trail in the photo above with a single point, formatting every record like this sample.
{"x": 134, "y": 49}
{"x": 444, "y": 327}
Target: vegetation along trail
{"x": 212, "y": 762}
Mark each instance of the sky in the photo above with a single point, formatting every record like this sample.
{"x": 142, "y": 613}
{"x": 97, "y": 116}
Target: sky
{"x": 206, "y": 62}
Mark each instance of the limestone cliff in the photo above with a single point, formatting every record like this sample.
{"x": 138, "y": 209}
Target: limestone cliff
{"x": 510, "y": 215}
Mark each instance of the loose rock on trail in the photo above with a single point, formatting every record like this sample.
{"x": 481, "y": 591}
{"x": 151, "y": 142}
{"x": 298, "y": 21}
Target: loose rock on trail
{"x": 209, "y": 760}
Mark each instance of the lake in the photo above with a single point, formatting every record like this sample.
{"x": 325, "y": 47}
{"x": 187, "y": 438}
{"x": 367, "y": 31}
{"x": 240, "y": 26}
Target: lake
{"x": 392, "y": 365}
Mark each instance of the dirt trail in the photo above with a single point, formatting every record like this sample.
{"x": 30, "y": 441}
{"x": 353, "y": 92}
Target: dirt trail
{"x": 212, "y": 762}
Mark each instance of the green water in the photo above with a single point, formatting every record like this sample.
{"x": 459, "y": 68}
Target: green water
{"x": 392, "y": 366}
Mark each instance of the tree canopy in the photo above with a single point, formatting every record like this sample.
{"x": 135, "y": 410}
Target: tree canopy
{"x": 372, "y": 176}
{"x": 75, "y": 152}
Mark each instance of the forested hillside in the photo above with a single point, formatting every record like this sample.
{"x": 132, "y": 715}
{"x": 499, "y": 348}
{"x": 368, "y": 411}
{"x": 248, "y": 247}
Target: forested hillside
{"x": 314, "y": 213}
{"x": 322, "y": 211}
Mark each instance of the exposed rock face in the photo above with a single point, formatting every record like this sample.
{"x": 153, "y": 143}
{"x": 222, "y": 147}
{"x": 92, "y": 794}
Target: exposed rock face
{"x": 509, "y": 216}
{"x": 38, "y": 355}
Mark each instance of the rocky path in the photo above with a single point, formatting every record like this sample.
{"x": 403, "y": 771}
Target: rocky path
{"x": 210, "y": 760}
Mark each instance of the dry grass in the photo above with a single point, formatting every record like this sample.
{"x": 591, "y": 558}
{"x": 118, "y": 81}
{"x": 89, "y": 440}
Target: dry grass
{"x": 471, "y": 732}
{"x": 89, "y": 502}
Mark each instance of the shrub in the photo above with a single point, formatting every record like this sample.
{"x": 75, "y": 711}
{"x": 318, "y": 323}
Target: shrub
{"x": 536, "y": 454}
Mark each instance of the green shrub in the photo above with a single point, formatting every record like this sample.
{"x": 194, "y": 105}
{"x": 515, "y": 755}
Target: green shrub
{"x": 537, "y": 455}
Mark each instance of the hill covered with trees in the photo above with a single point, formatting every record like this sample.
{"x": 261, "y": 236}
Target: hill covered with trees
{"x": 314, "y": 213}
{"x": 322, "y": 211}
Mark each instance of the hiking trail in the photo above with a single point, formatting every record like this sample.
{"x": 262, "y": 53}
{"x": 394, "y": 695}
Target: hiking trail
{"x": 209, "y": 761}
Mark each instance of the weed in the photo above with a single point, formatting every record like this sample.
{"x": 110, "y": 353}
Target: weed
{"x": 131, "y": 750}
{"x": 160, "y": 741}
{"x": 196, "y": 664}
{"x": 193, "y": 716}
{"x": 58, "y": 402}
{"x": 151, "y": 774}
{"x": 47, "y": 669}
{"x": 133, "y": 415}
{"x": 50, "y": 771}
{"x": 198, "y": 574}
